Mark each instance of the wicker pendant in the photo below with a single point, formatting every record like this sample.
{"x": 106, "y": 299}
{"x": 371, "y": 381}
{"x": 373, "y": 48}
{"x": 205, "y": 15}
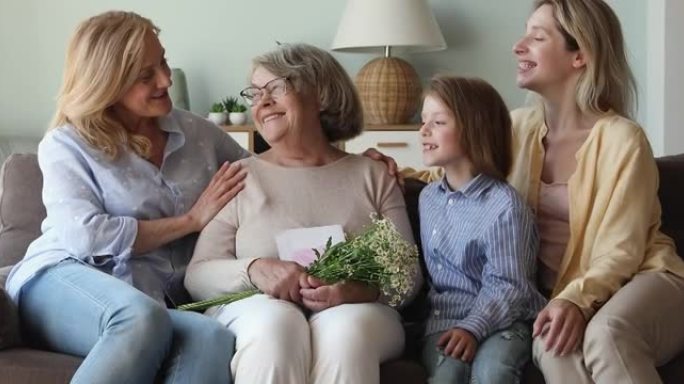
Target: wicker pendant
{"x": 390, "y": 91}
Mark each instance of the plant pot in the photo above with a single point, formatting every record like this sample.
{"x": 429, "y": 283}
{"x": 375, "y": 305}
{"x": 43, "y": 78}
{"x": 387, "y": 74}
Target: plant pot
{"x": 237, "y": 118}
{"x": 218, "y": 118}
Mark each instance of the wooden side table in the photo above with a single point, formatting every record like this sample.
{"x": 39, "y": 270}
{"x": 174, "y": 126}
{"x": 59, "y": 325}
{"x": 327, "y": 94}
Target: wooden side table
{"x": 402, "y": 142}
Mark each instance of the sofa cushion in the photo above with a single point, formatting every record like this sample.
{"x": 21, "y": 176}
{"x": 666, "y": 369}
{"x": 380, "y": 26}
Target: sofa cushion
{"x": 21, "y": 212}
{"x": 31, "y": 366}
{"x": 21, "y": 207}
{"x": 671, "y": 169}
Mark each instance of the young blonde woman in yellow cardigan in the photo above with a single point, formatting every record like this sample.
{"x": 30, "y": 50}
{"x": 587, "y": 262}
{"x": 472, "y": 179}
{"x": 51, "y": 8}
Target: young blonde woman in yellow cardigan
{"x": 587, "y": 170}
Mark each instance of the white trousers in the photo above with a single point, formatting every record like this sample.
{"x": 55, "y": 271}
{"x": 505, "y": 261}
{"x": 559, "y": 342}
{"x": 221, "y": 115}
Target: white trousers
{"x": 276, "y": 343}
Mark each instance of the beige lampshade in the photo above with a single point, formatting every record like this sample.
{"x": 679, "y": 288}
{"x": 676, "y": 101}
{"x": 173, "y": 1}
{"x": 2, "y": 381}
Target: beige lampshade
{"x": 389, "y": 87}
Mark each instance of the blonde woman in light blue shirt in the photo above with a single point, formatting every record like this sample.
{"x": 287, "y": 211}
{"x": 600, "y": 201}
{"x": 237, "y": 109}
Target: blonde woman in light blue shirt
{"x": 128, "y": 182}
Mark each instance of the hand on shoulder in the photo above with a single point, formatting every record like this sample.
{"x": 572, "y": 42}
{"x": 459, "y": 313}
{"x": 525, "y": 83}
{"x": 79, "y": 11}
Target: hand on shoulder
{"x": 224, "y": 185}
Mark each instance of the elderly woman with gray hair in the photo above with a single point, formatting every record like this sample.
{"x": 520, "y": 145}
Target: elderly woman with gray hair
{"x": 301, "y": 329}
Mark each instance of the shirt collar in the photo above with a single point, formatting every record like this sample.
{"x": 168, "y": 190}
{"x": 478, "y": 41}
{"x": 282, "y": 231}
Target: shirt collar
{"x": 169, "y": 123}
{"x": 475, "y": 187}
{"x": 176, "y": 140}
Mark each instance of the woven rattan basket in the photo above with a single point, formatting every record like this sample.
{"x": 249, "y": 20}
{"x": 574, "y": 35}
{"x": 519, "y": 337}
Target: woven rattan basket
{"x": 390, "y": 91}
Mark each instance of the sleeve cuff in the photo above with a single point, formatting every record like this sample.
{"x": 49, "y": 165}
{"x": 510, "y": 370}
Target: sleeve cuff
{"x": 122, "y": 268}
{"x": 475, "y": 325}
{"x": 240, "y": 269}
{"x": 567, "y": 294}
{"x": 247, "y": 277}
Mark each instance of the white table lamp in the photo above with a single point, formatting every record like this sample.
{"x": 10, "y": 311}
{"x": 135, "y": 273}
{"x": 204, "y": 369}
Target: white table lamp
{"x": 389, "y": 87}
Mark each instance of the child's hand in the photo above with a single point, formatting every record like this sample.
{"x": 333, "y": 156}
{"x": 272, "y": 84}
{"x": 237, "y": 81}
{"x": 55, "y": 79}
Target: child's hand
{"x": 459, "y": 344}
{"x": 562, "y": 325}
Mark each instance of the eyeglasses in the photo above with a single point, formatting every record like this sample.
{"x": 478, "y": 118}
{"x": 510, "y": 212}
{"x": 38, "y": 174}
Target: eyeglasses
{"x": 276, "y": 88}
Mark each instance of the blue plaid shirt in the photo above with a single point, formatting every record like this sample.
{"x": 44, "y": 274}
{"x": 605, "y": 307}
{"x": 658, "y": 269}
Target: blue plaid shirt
{"x": 480, "y": 245}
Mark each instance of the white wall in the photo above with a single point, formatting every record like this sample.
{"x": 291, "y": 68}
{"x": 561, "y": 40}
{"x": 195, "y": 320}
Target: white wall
{"x": 665, "y": 79}
{"x": 673, "y": 133}
{"x": 634, "y": 18}
{"x": 214, "y": 40}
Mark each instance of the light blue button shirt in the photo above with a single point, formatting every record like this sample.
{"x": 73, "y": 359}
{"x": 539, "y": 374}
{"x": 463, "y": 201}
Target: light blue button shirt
{"x": 93, "y": 203}
{"x": 480, "y": 246}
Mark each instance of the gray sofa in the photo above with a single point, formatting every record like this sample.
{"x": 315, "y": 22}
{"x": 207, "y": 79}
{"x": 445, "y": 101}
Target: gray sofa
{"x": 21, "y": 212}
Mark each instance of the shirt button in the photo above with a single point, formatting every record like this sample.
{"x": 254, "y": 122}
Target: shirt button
{"x": 439, "y": 266}
{"x": 437, "y": 312}
{"x": 434, "y": 231}
{"x": 451, "y": 201}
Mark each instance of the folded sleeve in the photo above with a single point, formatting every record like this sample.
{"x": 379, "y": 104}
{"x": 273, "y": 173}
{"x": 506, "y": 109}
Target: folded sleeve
{"x": 424, "y": 175}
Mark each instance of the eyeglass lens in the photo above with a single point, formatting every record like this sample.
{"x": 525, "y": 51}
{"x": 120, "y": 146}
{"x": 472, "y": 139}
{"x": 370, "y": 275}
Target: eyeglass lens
{"x": 276, "y": 88}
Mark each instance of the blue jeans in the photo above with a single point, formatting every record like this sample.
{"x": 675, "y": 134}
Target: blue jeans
{"x": 500, "y": 358}
{"x": 124, "y": 335}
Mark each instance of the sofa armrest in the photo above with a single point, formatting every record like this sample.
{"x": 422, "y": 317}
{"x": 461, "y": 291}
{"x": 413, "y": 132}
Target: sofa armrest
{"x": 9, "y": 316}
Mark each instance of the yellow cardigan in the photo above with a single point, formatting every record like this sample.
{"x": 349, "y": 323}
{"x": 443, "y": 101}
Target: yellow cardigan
{"x": 614, "y": 211}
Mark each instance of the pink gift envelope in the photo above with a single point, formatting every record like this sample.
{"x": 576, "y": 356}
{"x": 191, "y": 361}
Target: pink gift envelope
{"x": 298, "y": 244}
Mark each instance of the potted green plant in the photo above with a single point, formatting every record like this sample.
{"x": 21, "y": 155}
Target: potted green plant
{"x": 217, "y": 114}
{"x": 236, "y": 111}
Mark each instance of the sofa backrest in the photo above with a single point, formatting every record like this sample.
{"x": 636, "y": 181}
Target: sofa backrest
{"x": 22, "y": 211}
{"x": 671, "y": 195}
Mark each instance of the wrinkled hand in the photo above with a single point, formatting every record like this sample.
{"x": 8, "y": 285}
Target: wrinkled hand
{"x": 392, "y": 166}
{"x": 459, "y": 344}
{"x": 277, "y": 278}
{"x": 226, "y": 183}
{"x": 317, "y": 295}
{"x": 562, "y": 325}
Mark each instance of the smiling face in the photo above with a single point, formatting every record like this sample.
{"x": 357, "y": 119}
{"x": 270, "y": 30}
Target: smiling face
{"x": 544, "y": 60}
{"x": 440, "y": 135}
{"x": 292, "y": 116}
{"x": 149, "y": 96}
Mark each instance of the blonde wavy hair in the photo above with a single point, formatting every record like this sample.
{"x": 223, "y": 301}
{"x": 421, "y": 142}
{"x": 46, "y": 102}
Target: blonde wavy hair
{"x": 592, "y": 27}
{"x": 103, "y": 61}
{"x": 312, "y": 69}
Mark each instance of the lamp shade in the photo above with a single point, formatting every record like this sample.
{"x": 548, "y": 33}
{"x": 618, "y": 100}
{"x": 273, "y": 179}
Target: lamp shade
{"x": 389, "y": 87}
{"x": 404, "y": 24}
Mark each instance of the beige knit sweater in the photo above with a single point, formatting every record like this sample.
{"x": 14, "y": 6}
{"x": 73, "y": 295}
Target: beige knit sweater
{"x": 277, "y": 198}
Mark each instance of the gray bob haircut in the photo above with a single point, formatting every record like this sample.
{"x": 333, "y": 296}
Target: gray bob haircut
{"x": 312, "y": 69}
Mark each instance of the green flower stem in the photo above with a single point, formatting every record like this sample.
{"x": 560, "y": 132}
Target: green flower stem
{"x": 379, "y": 257}
{"x": 226, "y": 299}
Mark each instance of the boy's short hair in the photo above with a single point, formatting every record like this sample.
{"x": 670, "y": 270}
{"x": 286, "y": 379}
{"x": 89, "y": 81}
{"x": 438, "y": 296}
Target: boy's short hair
{"x": 483, "y": 120}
